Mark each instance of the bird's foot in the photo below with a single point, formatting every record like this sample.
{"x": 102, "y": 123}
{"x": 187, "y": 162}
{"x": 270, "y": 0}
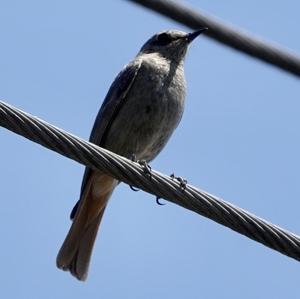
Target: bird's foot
{"x": 133, "y": 159}
{"x": 182, "y": 181}
{"x": 147, "y": 168}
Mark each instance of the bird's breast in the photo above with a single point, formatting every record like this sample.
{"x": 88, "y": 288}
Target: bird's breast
{"x": 151, "y": 111}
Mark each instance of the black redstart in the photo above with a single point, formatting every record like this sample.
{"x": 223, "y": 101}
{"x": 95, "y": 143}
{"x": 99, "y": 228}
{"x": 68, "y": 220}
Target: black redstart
{"x": 140, "y": 112}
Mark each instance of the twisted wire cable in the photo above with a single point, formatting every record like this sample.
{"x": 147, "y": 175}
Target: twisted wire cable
{"x": 226, "y": 34}
{"x": 163, "y": 186}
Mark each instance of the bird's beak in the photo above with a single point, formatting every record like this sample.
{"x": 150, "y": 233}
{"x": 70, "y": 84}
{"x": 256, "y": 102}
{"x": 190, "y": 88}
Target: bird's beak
{"x": 191, "y": 36}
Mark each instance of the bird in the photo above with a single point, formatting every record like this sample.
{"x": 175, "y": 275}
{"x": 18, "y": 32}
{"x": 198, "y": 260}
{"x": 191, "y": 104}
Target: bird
{"x": 141, "y": 110}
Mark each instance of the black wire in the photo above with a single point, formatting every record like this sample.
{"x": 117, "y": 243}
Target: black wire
{"x": 160, "y": 185}
{"x": 226, "y": 34}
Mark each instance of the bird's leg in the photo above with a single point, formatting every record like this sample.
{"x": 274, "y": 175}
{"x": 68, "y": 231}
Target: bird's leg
{"x": 133, "y": 159}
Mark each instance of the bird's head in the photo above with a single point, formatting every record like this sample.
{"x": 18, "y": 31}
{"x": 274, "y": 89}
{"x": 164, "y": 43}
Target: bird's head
{"x": 171, "y": 44}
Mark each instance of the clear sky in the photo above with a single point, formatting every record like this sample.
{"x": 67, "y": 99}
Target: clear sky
{"x": 239, "y": 139}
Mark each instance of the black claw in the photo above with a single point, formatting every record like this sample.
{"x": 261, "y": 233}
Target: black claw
{"x": 133, "y": 188}
{"x": 158, "y": 202}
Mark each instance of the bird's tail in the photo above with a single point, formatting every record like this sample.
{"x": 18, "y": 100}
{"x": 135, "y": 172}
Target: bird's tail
{"x": 75, "y": 253}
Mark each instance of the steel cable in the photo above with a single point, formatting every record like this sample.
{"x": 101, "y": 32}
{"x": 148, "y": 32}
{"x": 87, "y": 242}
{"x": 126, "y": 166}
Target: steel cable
{"x": 163, "y": 186}
{"x": 225, "y": 34}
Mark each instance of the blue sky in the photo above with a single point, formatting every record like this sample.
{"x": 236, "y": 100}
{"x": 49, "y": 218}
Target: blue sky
{"x": 238, "y": 139}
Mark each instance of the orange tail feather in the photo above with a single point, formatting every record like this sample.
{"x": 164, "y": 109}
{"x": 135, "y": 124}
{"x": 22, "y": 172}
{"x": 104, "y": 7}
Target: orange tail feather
{"x": 76, "y": 251}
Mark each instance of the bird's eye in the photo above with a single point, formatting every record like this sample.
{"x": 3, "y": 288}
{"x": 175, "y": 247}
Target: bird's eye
{"x": 163, "y": 39}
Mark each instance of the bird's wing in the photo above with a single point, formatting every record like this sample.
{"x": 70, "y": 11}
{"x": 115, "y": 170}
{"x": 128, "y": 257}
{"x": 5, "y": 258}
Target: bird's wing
{"x": 113, "y": 102}
{"x": 111, "y": 105}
